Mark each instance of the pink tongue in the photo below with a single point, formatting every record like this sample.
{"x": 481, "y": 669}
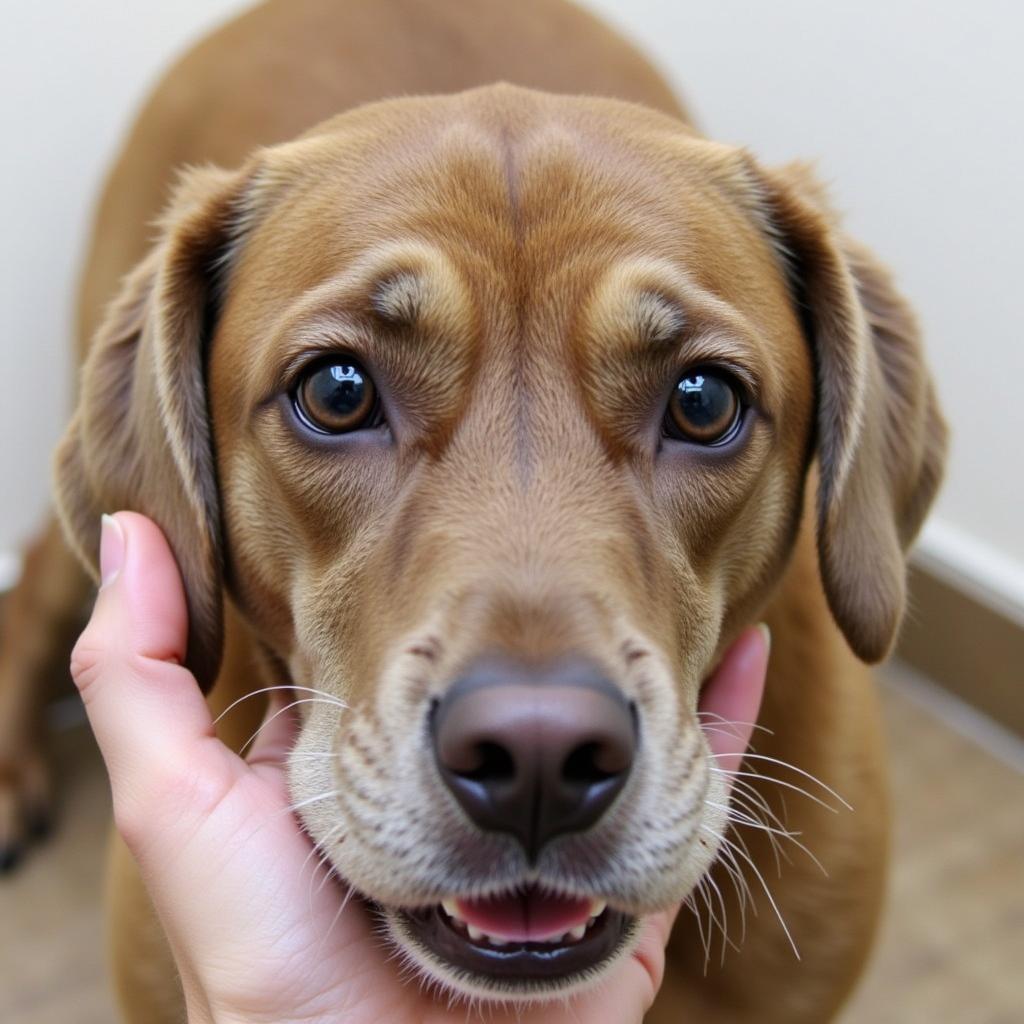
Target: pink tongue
{"x": 526, "y": 916}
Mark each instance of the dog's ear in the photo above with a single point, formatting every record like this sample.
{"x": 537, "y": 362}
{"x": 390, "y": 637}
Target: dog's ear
{"x": 140, "y": 437}
{"x": 881, "y": 440}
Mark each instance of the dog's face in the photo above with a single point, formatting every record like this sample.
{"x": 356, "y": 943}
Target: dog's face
{"x": 501, "y": 435}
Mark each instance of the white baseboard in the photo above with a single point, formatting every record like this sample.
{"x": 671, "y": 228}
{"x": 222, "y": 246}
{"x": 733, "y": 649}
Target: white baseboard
{"x": 973, "y": 567}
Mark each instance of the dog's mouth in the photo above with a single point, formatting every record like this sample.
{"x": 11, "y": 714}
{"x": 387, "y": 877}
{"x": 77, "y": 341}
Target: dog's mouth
{"x": 518, "y": 942}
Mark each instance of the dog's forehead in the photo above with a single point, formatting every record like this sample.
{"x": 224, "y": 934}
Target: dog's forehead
{"x": 501, "y": 177}
{"x": 506, "y": 207}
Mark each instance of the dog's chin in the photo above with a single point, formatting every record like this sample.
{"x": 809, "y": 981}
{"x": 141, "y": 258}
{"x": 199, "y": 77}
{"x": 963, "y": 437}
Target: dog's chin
{"x": 525, "y": 946}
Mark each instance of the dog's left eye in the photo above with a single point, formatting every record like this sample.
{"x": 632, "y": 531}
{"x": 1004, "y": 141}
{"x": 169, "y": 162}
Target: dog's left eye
{"x": 705, "y": 408}
{"x": 336, "y": 396}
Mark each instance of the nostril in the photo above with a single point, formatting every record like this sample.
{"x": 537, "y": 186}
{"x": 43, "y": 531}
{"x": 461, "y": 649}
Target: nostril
{"x": 491, "y": 762}
{"x": 590, "y": 763}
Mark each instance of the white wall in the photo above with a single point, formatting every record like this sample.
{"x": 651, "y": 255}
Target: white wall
{"x": 913, "y": 108}
{"x": 71, "y": 74}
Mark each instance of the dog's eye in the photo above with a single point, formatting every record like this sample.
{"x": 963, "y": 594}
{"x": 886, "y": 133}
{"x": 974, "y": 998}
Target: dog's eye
{"x": 336, "y": 396}
{"x": 705, "y": 408}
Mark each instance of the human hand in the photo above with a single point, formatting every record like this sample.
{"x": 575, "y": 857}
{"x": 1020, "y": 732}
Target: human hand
{"x": 225, "y": 862}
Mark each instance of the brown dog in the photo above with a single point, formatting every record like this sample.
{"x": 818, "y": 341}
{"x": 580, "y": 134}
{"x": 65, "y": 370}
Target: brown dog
{"x": 472, "y": 394}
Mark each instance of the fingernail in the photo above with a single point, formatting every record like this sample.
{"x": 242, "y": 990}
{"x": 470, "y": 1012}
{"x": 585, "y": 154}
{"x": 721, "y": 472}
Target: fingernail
{"x": 767, "y": 634}
{"x": 111, "y": 550}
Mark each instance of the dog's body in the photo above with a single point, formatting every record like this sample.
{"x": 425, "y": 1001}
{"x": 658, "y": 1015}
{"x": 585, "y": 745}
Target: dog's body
{"x": 270, "y": 76}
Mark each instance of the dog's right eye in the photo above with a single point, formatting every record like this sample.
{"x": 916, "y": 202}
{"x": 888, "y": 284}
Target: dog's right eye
{"x": 336, "y": 396}
{"x": 705, "y": 408}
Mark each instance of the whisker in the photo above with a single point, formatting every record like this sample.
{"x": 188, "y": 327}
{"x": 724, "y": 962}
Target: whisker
{"x": 713, "y": 918}
{"x": 309, "y": 800}
{"x": 285, "y": 686}
{"x": 705, "y": 937}
{"x": 756, "y": 823}
{"x": 747, "y": 818}
{"x": 691, "y": 904}
{"x": 721, "y": 729}
{"x": 726, "y": 941}
{"x": 741, "y": 789}
{"x": 276, "y": 714}
{"x": 767, "y": 892}
{"x": 337, "y": 916}
{"x": 799, "y": 771}
{"x": 739, "y": 882}
{"x": 320, "y": 851}
{"x": 734, "y": 721}
{"x": 777, "y": 852}
{"x": 786, "y": 785}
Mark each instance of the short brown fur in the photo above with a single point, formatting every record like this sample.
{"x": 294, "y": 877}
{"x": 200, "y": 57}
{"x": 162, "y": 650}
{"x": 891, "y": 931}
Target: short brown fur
{"x": 525, "y": 272}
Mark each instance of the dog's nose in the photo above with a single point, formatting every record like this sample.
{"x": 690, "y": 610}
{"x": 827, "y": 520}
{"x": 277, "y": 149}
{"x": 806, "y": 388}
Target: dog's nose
{"x": 534, "y": 752}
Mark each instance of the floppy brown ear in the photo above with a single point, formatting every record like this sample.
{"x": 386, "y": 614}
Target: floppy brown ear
{"x": 140, "y": 436}
{"x": 881, "y": 437}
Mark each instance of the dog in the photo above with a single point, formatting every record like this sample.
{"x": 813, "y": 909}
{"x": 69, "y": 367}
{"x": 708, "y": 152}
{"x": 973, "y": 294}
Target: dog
{"x": 507, "y": 398}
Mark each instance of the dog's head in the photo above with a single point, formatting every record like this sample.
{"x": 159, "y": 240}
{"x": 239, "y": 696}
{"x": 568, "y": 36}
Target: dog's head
{"x": 493, "y": 414}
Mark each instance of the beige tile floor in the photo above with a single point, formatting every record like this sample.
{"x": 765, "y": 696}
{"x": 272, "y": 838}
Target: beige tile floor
{"x": 952, "y": 948}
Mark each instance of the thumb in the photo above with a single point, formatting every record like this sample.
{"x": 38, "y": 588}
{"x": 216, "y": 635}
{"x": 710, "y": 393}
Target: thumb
{"x": 146, "y": 710}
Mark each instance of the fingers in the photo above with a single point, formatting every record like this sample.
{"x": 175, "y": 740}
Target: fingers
{"x": 146, "y": 710}
{"x": 731, "y": 698}
{"x": 276, "y": 733}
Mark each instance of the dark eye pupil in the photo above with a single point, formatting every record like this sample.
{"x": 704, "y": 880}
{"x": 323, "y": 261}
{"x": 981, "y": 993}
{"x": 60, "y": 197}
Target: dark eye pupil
{"x": 704, "y": 401}
{"x": 336, "y": 398}
{"x": 705, "y": 408}
{"x": 341, "y": 389}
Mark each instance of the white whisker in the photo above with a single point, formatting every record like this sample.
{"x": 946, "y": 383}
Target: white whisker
{"x": 792, "y": 768}
{"x": 739, "y": 882}
{"x": 778, "y": 852}
{"x": 278, "y": 713}
{"x": 767, "y": 891}
{"x": 734, "y": 721}
{"x": 690, "y": 903}
{"x": 285, "y": 686}
{"x": 337, "y": 916}
{"x": 756, "y": 823}
{"x": 786, "y": 785}
{"x": 726, "y": 941}
{"x": 309, "y": 800}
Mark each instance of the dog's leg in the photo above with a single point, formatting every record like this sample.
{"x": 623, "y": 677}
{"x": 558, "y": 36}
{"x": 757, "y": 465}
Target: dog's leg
{"x": 39, "y": 621}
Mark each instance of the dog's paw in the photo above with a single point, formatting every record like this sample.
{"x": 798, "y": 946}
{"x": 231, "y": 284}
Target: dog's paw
{"x": 25, "y": 806}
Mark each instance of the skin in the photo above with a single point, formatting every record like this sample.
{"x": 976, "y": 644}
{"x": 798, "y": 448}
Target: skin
{"x": 209, "y": 829}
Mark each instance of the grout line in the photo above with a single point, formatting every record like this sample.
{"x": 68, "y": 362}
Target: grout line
{"x": 995, "y": 739}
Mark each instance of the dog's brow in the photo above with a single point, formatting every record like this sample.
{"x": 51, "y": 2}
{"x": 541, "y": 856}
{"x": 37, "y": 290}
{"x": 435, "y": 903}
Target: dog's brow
{"x": 408, "y": 284}
{"x": 656, "y": 318}
{"x": 399, "y": 299}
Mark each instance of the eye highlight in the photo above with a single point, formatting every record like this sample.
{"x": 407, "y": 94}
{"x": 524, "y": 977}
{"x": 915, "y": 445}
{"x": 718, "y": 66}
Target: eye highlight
{"x": 705, "y": 408}
{"x": 336, "y": 396}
